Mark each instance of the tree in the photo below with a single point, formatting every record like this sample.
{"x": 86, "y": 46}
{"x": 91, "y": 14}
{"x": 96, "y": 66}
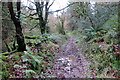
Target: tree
{"x": 42, "y": 20}
{"x": 7, "y": 31}
{"x": 42, "y": 10}
{"x": 16, "y": 20}
{"x": 85, "y": 14}
{"x": 60, "y": 25}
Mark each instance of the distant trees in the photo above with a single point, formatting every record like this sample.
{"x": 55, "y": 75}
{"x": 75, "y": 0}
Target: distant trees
{"x": 7, "y": 31}
{"x": 42, "y": 19}
{"x": 62, "y": 20}
{"x": 94, "y": 15}
{"x": 41, "y": 10}
{"x": 119, "y": 24}
{"x": 61, "y": 23}
{"x": 16, "y": 20}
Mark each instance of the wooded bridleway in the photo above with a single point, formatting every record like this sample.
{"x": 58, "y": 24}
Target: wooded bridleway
{"x": 70, "y": 63}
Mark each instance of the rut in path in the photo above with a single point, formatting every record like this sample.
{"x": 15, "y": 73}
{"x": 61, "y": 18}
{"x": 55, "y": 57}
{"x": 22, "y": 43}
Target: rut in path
{"x": 71, "y": 63}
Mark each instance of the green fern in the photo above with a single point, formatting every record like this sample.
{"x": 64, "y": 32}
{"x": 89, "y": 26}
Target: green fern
{"x": 29, "y": 73}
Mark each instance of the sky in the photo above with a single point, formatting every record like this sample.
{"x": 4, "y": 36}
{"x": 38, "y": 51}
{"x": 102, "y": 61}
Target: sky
{"x": 58, "y": 4}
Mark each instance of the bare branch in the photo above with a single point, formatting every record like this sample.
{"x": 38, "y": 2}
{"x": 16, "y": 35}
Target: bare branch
{"x": 18, "y": 9}
{"x": 32, "y": 14}
{"x": 29, "y": 15}
{"x": 32, "y": 2}
{"x": 34, "y": 18}
{"x": 33, "y": 27}
{"x": 62, "y": 8}
{"x": 30, "y": 8}
{"x": 51, "y": 4}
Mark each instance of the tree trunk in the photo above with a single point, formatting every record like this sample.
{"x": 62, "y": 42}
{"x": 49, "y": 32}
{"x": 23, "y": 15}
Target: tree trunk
{"x": 17, "y": 23}
{"x": 42, "y": 19}
{"x": 62, "y": 20}
{"x": 20, "y": 37}
{"x": 118, "y": 36}
{"x": 39, "y": 10}
{"x": 62, "y": 25}
{"x": 46, "y": 17}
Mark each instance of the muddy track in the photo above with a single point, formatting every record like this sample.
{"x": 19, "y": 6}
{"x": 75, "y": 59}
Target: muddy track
{"x": 71, "y": 63}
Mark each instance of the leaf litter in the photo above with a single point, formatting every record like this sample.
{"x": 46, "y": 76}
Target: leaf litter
{"x": 70, "y": 63}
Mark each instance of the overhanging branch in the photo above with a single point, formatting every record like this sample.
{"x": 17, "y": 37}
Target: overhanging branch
{"x": 30, "y": 8}
{"x": 62, "y": 8}
{"x": 51, "y": 4}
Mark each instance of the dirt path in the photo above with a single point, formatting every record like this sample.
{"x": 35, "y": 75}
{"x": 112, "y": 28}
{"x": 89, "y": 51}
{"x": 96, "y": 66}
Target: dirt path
{"x": 71, "y": 63}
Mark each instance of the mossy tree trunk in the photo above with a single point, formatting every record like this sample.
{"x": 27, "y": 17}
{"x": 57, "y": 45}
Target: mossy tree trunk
{"x": 16, "y": 20}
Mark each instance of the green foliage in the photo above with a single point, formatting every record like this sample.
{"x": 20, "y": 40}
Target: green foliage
{"x": 100, "y": 40}
{"x": 103, "y": 58}
{"x": 112, "y": 23}
{"x": 29, "y": 73}
{"x": 101, "y": 62}
{"x": 34, "y": 60}
{"x": 94, "y": 32}
{"x": 8, "y": 62}
{"x": 116, "y": 64}
{"x": 35, "y": 40}
{"x": 32, "y": 36}
{"x": 37, "y": 63}
{"x": 99, "y": 31}
{"x": 12, "y": 46}
{"x": 8, "y": 47}
{"x": 80, "y": 10}
{"x": 60, "y": 28}
{"x": 58, "y": 37}
{"x": 4, "y": 72}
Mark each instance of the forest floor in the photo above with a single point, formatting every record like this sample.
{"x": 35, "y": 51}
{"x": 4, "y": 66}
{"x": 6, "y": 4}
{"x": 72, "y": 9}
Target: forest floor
{"x": 68, "y": 60}
{"x": 70, "y": 63}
